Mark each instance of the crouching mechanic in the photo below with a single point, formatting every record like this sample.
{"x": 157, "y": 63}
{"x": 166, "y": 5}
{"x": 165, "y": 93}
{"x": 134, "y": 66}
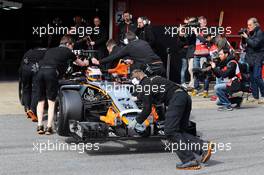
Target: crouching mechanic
{"x": 227, "y": 70}
{"x": 176, "y": 118}
{"x": 53, "y": 65}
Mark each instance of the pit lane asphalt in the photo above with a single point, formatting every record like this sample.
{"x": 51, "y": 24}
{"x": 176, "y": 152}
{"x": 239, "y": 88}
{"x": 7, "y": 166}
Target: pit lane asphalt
{"x": 243, "y": 129}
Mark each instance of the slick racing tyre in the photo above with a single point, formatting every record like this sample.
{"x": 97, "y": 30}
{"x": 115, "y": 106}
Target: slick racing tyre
{"x": 68, "y": 106}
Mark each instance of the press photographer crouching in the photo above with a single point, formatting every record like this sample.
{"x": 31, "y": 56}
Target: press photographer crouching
{"x": 253, "y": 39}
{"x": 228, "y": 74}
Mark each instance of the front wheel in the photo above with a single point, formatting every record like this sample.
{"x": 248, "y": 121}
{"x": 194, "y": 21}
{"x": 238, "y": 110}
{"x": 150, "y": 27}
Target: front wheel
{"x": 68, "y": 106}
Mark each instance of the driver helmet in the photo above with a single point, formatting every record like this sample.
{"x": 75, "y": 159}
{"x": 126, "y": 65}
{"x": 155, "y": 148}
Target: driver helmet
{"x": 94, "y": 74}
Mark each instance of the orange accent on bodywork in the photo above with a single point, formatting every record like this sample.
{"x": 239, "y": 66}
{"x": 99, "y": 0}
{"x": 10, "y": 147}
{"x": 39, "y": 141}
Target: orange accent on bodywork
{"x": 154, "y": 115}
{"x": 110, "y": 117}
{"x": 124, "y": 119}
{"x": 121, "y": 69}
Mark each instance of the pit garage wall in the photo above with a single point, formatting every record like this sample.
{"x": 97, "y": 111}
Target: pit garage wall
{"x": 172, "y": 12}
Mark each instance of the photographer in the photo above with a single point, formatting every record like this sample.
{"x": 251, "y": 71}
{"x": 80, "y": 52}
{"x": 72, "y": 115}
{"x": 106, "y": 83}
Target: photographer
{"x": 144, "y": 31}
{"x": 201, "y": 54}
{"x": 221, "y": 42}
{"x": 191, "y": 38}
{"x": 204, "y": 73}
{"x": 254, "y": 40}
{"x": 126, "y": 25}
{"x": 183, "y": 45}
{"x": 226, "y": 71}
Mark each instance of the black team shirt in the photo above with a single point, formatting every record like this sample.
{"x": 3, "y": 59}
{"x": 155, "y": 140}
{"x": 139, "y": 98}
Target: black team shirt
{"x": 59, "y": 58}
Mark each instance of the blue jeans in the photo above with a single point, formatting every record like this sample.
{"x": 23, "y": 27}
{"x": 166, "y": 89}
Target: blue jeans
{"x": 221, "y": 93}
{"x": 197, "y": 64}
{"x": 218, "y": 80}
{"x": 183, "y": 70}
{"x": 242, "y": 57}
{"x": 257, "y": 84}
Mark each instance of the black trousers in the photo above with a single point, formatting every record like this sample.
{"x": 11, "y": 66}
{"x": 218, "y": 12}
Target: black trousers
{"x": 48, "y": 84}
{"x": 176, "y": 124}
{"x": 158, "y": 69}
{"x": 29, "y": 82}
{"x": 151, "y": 69}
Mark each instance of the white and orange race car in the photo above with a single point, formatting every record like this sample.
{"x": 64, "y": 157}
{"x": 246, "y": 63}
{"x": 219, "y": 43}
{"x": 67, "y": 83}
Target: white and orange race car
{"x": 101, "y": 108}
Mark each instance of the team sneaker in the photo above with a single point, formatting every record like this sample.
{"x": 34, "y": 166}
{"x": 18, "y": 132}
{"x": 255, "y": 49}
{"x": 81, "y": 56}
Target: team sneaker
{"x": 194, "y": 93}
{"x": 191, "y": 165}
{"x": 28, "y": 113}
{"x": 40, "y": 129}
{"x": 205, "y": 94}
{"x": 225, "y": 108}
{"x": 207, "y": 153}
{"x": 213, "y": 98}
{"x": 31, "y": 115}
{"x": 49, "y": 131}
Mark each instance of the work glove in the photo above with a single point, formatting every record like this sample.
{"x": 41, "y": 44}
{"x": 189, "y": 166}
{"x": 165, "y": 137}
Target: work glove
{"x": 133, "y": 124}
{"x": 140, "y": 127}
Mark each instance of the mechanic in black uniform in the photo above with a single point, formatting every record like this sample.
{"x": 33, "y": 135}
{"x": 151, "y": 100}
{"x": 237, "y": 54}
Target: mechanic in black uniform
{"x": 53, "y": 66}
{"x": 140, "y": 53}
{"x": 112, "y": 48}
{"x": 177, "y": 116}
{"x": 28, "y": 70}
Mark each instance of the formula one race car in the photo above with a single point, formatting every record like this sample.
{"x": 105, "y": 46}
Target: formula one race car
{"x": 95, "y": 107}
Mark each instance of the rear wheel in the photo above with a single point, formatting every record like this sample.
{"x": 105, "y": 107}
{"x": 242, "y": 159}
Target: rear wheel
{"x": 69, "y": 106}
{"x": 20, "y": 91}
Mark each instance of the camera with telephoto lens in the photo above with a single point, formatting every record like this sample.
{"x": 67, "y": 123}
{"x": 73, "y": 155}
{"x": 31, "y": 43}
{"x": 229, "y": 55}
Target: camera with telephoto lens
{"x": 193, "y": 23}
{"x": 242, "y": 30}
{"x": 206, "y": 67}
{"x": 188, "y": 27}
{"x": 215, "y": 58}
